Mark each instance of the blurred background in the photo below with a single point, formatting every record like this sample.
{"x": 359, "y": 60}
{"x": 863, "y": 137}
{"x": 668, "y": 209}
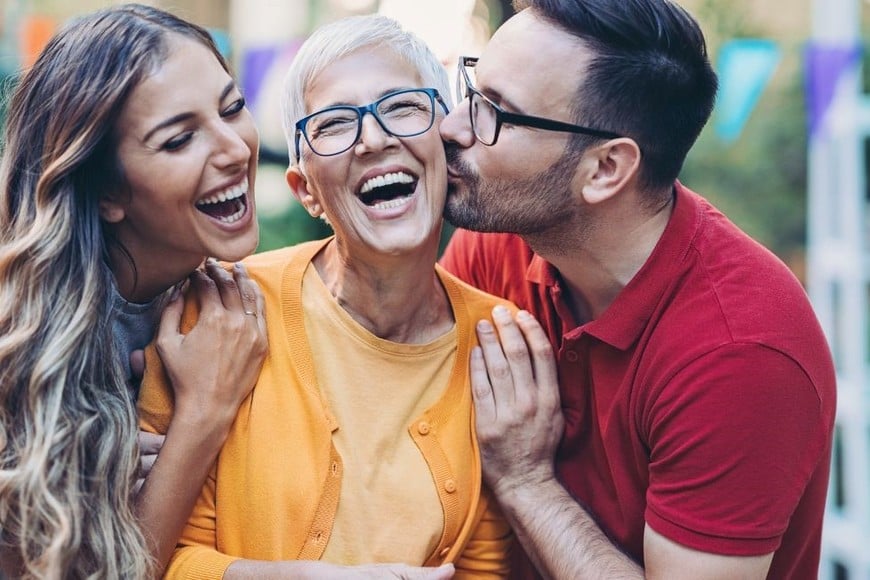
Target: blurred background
{"x": 785, "y": 156}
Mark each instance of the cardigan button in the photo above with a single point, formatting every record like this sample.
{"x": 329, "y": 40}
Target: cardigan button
{"x": 450, "y": 486}
{"x": 572, "y": 356}
{"x": 423, "y": 428}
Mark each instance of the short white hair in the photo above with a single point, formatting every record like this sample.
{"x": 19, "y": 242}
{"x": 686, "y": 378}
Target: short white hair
{"x": 345, "y": 36}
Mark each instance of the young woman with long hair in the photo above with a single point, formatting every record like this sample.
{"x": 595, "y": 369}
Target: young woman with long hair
{"x": 129, "y": 157}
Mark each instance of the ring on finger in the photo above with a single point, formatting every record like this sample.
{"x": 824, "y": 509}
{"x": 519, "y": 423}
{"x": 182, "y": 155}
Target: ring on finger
{"x": 250, "y": 313}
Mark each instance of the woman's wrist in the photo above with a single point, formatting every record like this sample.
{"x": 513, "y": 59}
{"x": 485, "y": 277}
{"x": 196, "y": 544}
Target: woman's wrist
{"x": 196, "y": 423}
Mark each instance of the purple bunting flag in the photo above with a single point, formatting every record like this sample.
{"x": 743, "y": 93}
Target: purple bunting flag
{"x": 825, "y": 65}
{"x": 256, "y": 63}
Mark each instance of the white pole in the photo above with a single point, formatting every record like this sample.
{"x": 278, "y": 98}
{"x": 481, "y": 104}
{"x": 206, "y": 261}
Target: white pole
{"x": 838, "y": 283}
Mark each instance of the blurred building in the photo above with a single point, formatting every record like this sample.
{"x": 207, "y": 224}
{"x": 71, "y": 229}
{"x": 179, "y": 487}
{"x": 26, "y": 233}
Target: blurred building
{"x": 839, "y": 270}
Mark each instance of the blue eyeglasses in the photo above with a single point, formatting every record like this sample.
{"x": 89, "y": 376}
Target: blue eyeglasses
{"x": 334, "y": 130}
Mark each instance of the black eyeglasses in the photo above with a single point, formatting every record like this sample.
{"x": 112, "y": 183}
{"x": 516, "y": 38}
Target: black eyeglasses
{"x": 334, "y": 130}
{"x": 487, "y": 117}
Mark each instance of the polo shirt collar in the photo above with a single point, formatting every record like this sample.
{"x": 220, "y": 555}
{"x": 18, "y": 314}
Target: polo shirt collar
{"x": 625, "y": 319}
{"x": 542, "y": 272}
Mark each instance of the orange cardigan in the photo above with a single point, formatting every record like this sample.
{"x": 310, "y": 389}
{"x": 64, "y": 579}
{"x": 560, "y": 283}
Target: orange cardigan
{"x": 274, "y": 490}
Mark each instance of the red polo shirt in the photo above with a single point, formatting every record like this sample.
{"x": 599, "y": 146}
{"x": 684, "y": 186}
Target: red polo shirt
{"x": 700, "y": 402}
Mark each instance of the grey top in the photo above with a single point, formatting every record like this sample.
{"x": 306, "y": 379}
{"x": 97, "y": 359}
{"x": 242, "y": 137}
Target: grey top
{"x": 133, "y": 326}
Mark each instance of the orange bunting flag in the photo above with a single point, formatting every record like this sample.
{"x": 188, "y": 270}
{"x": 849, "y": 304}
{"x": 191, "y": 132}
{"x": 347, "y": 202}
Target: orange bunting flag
{"x": 35, "y": 33}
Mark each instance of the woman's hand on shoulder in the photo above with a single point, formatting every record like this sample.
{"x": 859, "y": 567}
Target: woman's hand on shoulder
{"x": 215, "y": 366}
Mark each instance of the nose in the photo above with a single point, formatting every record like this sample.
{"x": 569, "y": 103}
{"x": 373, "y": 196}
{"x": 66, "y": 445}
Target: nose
{"x": 373, "y": 137}
{"x": 231, "y": 147}
{"x": 456, "y": 126}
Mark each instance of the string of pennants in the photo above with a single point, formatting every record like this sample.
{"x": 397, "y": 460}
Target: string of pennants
{"x": 745, "y": 67}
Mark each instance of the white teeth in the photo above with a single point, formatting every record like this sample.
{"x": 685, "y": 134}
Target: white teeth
{"x": 234, "y": 192}
{"x": 392, "y": 203}
{"x": 236, "y": 216}
{"x": 386, "y": 179}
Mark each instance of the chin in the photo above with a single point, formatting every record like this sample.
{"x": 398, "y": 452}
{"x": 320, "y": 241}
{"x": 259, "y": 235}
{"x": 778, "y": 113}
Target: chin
{"x": 409, "y": 246}
{"x": 237, "y": 251}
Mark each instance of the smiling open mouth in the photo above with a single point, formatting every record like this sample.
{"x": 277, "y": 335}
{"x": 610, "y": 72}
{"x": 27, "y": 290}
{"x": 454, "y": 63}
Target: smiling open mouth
{"x": 227, "y": 206}
{"x": 389, "y": 190}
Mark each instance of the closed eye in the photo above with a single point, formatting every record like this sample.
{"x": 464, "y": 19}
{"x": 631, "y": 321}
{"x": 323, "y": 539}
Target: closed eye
{"x": 177, "y": 142}
{"x": 234, "y": 108}
{"x": 406, "y": 108}
{"x": 333, "y": 125}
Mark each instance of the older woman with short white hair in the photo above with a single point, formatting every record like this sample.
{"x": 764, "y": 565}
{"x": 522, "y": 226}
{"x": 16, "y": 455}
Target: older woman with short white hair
{"x": 357, "y": 445}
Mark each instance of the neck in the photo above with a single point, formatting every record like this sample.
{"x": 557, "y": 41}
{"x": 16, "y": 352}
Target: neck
{"x": 614, "y": 244}
{"x": 396, "y": 298}
{"x": 143, "y": 281}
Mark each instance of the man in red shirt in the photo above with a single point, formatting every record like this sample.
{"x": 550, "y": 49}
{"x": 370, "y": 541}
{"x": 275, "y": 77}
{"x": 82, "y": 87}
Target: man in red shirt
{"x": 685, "y": 431}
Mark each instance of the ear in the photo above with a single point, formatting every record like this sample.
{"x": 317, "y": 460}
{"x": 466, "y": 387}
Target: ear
{"x": 299, "y": 186}
{"x": 111, "y": 210}
{"x": 614, "y": 165}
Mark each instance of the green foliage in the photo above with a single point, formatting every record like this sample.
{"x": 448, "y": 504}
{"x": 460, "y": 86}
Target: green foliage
{"x": 290, "y": 227}
{"x": 759, "y": 181}
{"x": 8, "y": 81}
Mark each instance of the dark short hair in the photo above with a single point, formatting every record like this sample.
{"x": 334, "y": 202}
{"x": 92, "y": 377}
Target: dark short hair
{"x": 649, "y": 76}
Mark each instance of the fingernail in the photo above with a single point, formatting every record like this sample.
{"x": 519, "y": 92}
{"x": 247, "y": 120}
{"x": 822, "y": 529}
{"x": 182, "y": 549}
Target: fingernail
{"x": 484, "y": 326}
{"x": 501, "y": 313}
{"x": 524, "y": 315}
{"x": 176, "y": 292}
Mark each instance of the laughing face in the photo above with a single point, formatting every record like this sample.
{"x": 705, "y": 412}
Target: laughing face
{"x": 385, "y": 194}
{"x": 188, "y": 149}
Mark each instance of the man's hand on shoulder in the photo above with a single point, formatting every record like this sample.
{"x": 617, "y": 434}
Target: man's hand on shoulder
{"x": 516, "y": 397}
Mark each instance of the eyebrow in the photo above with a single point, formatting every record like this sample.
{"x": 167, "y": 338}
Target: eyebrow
{"x": 499, "y": 99}
{"x": 508, "y": 105}
{"x": 184, "y": 116}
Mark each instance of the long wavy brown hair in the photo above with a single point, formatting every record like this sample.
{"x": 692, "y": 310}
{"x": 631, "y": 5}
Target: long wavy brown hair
{"x": 68, "y": 454}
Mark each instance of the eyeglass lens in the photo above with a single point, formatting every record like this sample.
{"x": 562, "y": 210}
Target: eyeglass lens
{"x": 484, "y": 118}
{"x": 402, "y": 114}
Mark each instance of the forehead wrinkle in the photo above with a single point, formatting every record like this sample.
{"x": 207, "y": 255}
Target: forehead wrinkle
{"x": 383, "y": 93}
{"x": 401, "y": 73}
